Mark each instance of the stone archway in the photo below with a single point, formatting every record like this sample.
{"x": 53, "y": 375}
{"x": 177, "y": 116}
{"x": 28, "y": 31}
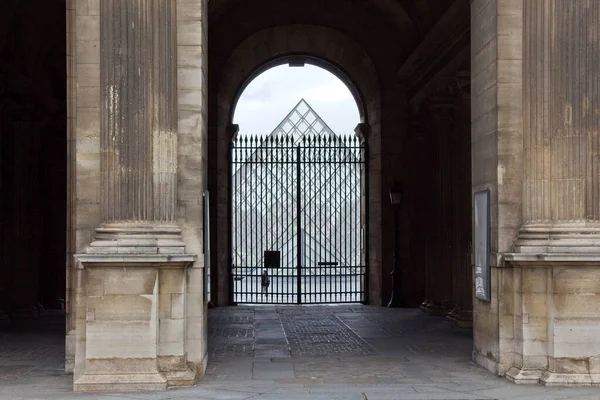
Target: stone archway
{"x": 342, "y": 56}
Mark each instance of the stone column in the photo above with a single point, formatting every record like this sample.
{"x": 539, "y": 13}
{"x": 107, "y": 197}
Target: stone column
{"x": 557, "y": 253}
{"x": 439, "y": 268}
{"x": 135, "y": 267}
{"x": 4, "y": 319}
{"x": 462, "y": 281}
{"x": 414, "y": 198}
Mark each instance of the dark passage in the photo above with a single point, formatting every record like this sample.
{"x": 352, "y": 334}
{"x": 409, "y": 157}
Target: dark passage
{"x": 33, "y": 157}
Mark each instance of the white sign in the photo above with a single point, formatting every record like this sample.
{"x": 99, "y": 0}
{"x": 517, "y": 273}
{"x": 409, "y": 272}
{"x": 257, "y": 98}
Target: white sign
{"x": 482, "y": 245}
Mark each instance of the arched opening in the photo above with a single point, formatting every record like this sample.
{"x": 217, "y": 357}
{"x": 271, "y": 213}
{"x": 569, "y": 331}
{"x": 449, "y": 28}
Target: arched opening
{"x": 358, "y": 74}
{"x": 297, "y": 201}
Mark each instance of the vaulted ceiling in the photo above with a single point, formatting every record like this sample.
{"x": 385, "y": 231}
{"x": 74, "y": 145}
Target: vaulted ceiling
{"x": 409, "y": 41}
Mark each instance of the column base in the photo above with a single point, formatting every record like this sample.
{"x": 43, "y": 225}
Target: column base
{"x": 566, "y": 238}
{"x": 120, "y": 383}
{"x": 461, "y": 318}
{"x": 569, "y": 380}
{"x": 435, "y": 309}
{"x": 523, "y": 376}
{"x": 131, "y": 238}
{"x": 4, "y": 320}
{"x": 182, "y": 378}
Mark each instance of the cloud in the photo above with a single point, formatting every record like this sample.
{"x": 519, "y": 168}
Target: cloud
{"x": 333, "y": 91}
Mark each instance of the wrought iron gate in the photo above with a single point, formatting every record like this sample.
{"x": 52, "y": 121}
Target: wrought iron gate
{"x": 298, "y": 210}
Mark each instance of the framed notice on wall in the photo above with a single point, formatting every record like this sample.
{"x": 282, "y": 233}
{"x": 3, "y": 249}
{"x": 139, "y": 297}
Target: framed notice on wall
{"x": 482, "y": 245}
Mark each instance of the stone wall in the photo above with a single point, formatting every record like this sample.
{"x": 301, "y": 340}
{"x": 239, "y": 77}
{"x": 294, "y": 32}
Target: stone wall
{"x": 86, "y": 102}
{"x": 192, "y": 53}
{"x": 496, "y": 140}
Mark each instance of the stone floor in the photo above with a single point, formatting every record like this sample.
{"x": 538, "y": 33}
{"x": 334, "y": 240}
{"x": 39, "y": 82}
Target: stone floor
{"x": 293, "y": 353}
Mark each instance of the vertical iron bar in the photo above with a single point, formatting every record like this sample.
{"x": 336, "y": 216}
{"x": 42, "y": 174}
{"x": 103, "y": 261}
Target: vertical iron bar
{"x": 310, "y": 205}
{"x": 355, "y": 283}
{"x": 264, "y": 218}
{"x": 289, "y": 218}
{"x": 299, "y": 228}
{"x": 312, "y": 201}
{"x": 365, "y": 198}
{"x": 357, "y": 222}
{"x": 232, "y": 215}
{"x": 289, "y": 204}
{"x": 328, "y": 191}
{"x": 321, "y": 172}
{"x": 248, "y": 216}
{"x": 271, "y": 188}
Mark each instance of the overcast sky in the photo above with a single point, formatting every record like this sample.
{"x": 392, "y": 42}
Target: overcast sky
{"x": 273, "y": 94}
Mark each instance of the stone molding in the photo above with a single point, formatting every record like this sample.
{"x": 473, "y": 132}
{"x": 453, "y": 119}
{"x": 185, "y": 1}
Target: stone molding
{"x": 132, "y": 260}
{"x": 583, "y": 237}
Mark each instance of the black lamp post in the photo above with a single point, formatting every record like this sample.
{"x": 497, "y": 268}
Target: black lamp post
{"x": 395, "y": 199}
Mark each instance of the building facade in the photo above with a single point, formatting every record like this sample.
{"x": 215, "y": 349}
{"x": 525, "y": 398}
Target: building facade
{"x": 456, "y": 98}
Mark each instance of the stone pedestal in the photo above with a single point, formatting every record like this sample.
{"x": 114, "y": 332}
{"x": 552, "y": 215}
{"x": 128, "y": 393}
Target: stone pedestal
{"x": 557, "y": 319}
{"x": 134, "y": 322}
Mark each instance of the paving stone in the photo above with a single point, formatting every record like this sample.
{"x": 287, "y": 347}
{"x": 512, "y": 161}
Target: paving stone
{"x": 271, "y": 371}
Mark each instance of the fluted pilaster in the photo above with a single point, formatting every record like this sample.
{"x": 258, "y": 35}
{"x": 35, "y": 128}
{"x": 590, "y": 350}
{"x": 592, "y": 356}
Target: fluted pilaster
{"x": 139, "y": 124}
{"x": 561, "y": 123}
